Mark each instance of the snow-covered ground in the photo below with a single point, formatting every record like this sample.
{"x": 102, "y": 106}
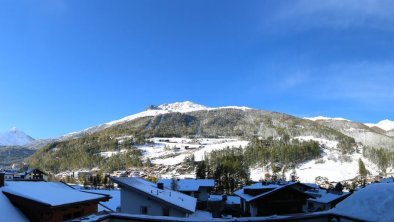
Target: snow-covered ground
{"x": 332, "y": 164}
{"x": 111, "y": 153}
{"x": 325, "y": 118}
{"x": 172, "y": 151}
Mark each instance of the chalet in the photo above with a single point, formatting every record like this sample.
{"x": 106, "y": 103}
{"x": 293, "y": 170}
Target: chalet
{"x": 50, "y": 201}
{"x": 198, "y": 188}
{"x": 8, "y": 175}
{"x": 261, "y": 199}
{"x": 324, "y": 199}
{"x": 139, "y": 196}
{"x": 221, "y": 205}
{"x": 33, "y": 174}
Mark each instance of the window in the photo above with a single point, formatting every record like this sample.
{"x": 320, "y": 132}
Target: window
{"x": 166, "y": 211}
{"x": 144, "y": 210}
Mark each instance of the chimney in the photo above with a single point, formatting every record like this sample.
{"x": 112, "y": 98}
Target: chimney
{"x": 224, "y": 198}
{"x": 1, "y": 179}
{"x": 160, "y": 186}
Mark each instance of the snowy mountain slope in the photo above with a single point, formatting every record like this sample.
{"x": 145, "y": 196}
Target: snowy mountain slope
{"x": 14, "y": 137}
{"x": 333, "y": 165}
{"x": 386, "y": 125}
{"x": 390, "y": 133}
{"x": 151, "y": 111}
{"x": 325, "y": 118}
{"x": 360, "y": 132}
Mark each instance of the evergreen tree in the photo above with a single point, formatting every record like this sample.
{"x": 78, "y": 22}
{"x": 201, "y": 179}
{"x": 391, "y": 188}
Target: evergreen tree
{"x": 361, "y": 168}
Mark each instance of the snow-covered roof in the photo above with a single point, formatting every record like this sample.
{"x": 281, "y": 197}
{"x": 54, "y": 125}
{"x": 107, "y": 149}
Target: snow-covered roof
{"x": 387, "y": 180}
{"x": 49, "y": 193}
{"x": 312, "y": 185}
{"x": 322, "y": 196}
{"x": 270, "y": 188}
{"x": 11, "y": 212}
{"x": 230, "y": 199}
{"x": 166, "y": 196}
{"x": 188, "y": 184}
{"x": 372, "y": 203}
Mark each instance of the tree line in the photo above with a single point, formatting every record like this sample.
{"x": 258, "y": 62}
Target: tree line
{"x": 230, "y": 167}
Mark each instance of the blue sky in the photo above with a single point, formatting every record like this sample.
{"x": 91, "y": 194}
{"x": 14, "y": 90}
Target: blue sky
{"x": 69, "y": 65}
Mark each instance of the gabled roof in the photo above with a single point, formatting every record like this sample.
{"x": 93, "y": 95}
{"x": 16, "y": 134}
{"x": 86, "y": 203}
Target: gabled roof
{"x": 270, "y": 189}
{"x": 51, "y": 194}
{"x": 169, "y": 197}
{"x": 188, "y": 184}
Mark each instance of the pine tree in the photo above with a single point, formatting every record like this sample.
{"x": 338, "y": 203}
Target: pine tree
{"x": 361, "y": 168}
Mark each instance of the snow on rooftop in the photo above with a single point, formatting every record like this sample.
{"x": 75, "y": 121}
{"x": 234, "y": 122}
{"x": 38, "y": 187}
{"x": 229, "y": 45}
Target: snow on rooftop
{"x": 372, "y": 203}
{"x": 170, "y": 196}
{"x": 387, "y": 180}
{"x": 325, "y": 118}
{"x": 322, "y": 196}
{"x": 188, "y": 184}
{"x": 12, "y": 213}
{"x": 52, "y": 193}
{"x": 258, "y": 186}
{"x": 230, "y": 199}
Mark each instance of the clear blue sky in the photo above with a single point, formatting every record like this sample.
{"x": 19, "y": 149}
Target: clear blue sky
{"x": 68, "y": 65}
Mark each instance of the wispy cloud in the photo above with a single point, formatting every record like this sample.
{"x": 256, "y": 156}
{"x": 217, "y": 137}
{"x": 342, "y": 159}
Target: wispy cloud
{"x": 365, "y": 83}
{"x": 337, "y": 14}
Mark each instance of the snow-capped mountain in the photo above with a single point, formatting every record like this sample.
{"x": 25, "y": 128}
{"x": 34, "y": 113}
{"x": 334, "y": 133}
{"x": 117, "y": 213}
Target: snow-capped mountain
{"x": 171, "y": 127}
{"x": 14, "y": 137}
{"x": 153, "y": 110}
{"x": 386, "y": 124}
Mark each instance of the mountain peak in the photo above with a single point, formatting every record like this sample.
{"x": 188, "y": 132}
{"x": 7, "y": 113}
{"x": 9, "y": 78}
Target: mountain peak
{"x": 14, "y": 130}
{"x": 186, "y": 106}
{"x": 14, "y": 137}
{"x": 386, "y": 124}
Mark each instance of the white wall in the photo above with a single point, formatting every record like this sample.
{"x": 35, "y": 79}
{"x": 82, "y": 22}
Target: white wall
{"x": 132, "y": 201}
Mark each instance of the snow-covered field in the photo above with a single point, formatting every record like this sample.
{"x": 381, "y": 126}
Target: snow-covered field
{"x": 172, "y": 151}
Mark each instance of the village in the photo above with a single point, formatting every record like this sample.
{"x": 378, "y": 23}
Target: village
{"x": 128, "y": 196}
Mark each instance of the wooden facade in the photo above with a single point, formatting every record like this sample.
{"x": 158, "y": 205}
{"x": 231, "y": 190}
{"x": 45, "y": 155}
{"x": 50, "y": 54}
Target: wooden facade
{"x": 41, "y": 212}
{"x": 288, "y": 199}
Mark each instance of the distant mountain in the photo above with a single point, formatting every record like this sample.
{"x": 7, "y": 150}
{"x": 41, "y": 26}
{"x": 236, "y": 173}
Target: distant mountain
{"x": 386, "y": 125}
{"x": 15, "y": 137}
{"x": 368, "y": 135}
